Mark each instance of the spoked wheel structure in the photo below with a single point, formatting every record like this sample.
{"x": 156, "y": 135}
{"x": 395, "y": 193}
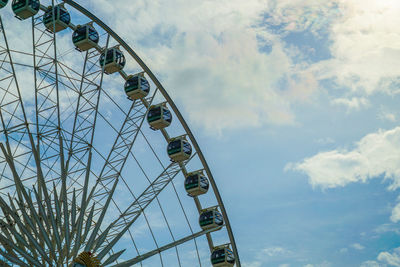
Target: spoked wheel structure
{"x": 97, "y": 165}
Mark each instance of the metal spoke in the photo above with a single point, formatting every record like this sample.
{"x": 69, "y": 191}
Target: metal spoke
{"x": 118, "y": 227}
{"x": 48, "y": 123}
{"x": 161, "y": 249}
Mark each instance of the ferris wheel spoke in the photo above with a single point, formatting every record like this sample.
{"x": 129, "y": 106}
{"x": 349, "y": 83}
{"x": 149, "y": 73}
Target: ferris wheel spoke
{"x": 29, "y": 229}
{"x": 119, "y": 152}
{"x": 161, "y": 249}
{"x": 85, "y": 119}
{"x": 3, "y": 261}
{"x": 118, "y": 227}
{"x": 12, "y": 233}
{"x": 13, "y": 119}
{"x": 158, "y": 202}
{"x": 48, "y": 124}
{"x": 12, "y": 258}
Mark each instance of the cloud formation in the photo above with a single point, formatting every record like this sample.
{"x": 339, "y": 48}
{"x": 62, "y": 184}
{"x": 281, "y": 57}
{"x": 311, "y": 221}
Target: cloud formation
{"x": 385, "y": 259}
{"x": 375, "y": 155}
{"x": 212, "y": 61}
{"x": 396, "y": 213}
{"x": 393, "y": 259}
{"x": 228, "y": 65}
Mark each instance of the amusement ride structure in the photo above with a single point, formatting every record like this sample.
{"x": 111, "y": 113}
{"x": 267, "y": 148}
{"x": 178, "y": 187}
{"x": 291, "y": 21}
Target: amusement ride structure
{"x": 98, "y": 166}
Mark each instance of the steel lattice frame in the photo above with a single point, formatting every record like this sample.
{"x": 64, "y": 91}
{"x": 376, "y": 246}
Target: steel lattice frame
{"x": 54, "y": 199}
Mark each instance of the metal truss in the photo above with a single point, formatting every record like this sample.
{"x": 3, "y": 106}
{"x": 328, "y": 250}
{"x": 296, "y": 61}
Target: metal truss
{"x": 36, "y": 230}
{"x": 119, "y": 152}
{"x": 14, "y": 125}
{"x": 118, "y": 227}
{"x": 47, "y": 100}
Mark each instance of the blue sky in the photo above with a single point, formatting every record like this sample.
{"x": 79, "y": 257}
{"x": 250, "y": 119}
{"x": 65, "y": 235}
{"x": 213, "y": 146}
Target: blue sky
{"x": 295, "y": 105}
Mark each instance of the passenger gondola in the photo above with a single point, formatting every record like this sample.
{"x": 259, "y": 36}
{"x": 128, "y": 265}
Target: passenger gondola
{"x": 56, "y": 18}
{"x": 136, "y": 86}
{"x": 3, "y": 3}
{"x": 113, "y": 60}
{"x": 196, "y": 183}
{"x": 159, "y": 116}
{"x": 211, "y": 218}
{"x": 85, "y": 37}
{"x": 24, "y": 9}
{"x": 179, "y": 149}
{"x": 222, "y": 256}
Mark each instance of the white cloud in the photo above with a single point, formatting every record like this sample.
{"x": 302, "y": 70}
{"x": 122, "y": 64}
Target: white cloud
{"x": 365, "y": 51}
{"x": 353, "y": 103}
{"x": 376, "y": 154}
{"x": 325, "y": 141}
{"x": 361, "y": 36}
{"x": 298, "y": 15}
{"x": 252, "y": 264}
{"x": 372, "y": 264}
{"x": 393, "y": 259}
{"x": 363, "y": 39}
{"x": 207, "y": 55}
{"x": 396, "y": 213}
{"x": 387, "y": 228}
{"x": 357, "y": 246}
{"x": 264, "y": 256}
{"x": 385, "y": 259}
{"x": 323, "y": 264}
{"x": 387, "y": 116}
{"x": 274, "y": 251}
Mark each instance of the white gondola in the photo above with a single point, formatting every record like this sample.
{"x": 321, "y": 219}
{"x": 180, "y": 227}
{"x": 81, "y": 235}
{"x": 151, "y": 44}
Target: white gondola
{"x": 24, "y": 9}
{"x": 3, "y": 3}
{"x": 222, "y": 256}
{"x": 179, "y": 149}
{"x": 85, "y": 37}
{"x": 196, "y": 183}
{"x": 113, "y": 60}
{"x": 56, "y": 18}
{"x": 211, "y": 218}
{"x": 159, "y": 116}
{"x": 136, "y": 86}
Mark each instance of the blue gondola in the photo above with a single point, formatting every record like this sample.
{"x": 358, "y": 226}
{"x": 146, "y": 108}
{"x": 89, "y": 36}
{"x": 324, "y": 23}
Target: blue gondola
{"x": 196, "y": 183}
{"x": 222, "y": 256}
{"x": 113, "y": 60}
{"x": 85, "y": 37}
{"x": 3, "y": 3}
{"x": 57, "y": 18}
{"x": 136, "y": 86}
{"x": 24, "y": 9}
{"x": 211, "y": 218}
{"x": 179, "y": 149}
{"x": 159, "y": 116}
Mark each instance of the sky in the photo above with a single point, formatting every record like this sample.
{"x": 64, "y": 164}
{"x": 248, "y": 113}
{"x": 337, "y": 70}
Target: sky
{"x": 295, "y": 106}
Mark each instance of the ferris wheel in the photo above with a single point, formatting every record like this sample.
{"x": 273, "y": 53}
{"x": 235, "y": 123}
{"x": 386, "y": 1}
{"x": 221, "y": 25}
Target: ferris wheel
{"x": 98, "y": 166}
